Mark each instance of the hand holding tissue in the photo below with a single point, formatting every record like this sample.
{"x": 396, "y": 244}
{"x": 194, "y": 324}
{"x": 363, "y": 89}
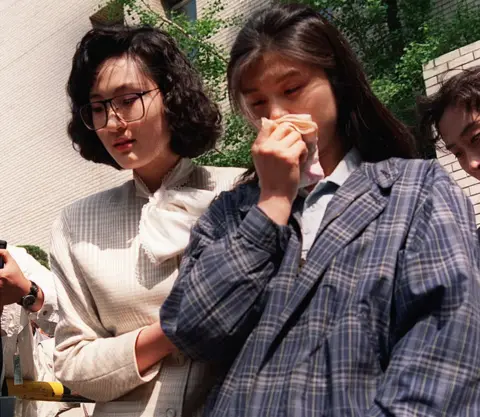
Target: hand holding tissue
{"x": 312, "y": 171}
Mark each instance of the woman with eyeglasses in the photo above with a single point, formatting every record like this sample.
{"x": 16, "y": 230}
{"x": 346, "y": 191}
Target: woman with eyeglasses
{"x": 136, "y": 104}
{"x": 352, "y": 292}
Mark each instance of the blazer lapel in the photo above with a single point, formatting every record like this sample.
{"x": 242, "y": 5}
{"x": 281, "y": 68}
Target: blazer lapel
{"x": 355, "y": 205}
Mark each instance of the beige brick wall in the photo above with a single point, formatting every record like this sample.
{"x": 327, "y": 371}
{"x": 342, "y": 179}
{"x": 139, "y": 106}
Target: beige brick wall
{"x": 435, "y": 73}
{"x": 233, "y": 8}
{"x": 241, "y": 9}
{"x": 40, "y": 172}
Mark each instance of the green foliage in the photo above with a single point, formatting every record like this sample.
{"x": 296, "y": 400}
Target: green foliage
{"x": 399, "y": 87}
{"x": 377, "y": 40}
{"x": 235, "y": 147}
{"x": 38, "y": 253}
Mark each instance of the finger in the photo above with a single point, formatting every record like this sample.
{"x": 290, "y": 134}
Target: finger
{"x": 5, "y": 255}
{"x": 299, "y": 149}
{"x": 292, "y": 138}
{"x": 281, "y": 132}
{"x": 267, "y": 128}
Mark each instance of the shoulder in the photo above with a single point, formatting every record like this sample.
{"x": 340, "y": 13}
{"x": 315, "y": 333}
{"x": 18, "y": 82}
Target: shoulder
{"x": 408, "y": 173}
{"x": 87, "y": 207}
{"x": 216, "y": 179}
{"x": 236, "y": 202}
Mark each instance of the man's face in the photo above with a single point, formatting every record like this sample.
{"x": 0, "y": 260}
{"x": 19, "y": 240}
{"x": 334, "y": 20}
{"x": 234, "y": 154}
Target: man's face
{"x": 460, "y": 130}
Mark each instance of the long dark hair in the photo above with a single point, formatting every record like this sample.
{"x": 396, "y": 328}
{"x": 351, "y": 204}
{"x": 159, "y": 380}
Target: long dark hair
{"x": 193, "y": 118}
{"x": 300, "y": 33}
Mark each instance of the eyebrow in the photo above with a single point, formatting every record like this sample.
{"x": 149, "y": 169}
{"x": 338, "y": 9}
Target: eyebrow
{"x": 290, "y": 73}
{"x": 119, "y": 88}
{"x": 468, "y": 127}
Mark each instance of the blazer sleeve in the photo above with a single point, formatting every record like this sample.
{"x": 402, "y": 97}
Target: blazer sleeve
{"x": 88, "y": 359}
{"x": 435, "y": 360}
{"x": 220, "y": 292}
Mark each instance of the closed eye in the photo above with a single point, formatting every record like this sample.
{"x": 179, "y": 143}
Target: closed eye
{"x": 258, "y": 103}
{"x": 97, "y": 107}
{"x": 475, "y": 138}
{"x": 289, "y": 91}
{"x": 128, "y": 100}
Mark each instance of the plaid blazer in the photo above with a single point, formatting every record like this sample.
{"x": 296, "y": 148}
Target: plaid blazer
{"x": 383, "y": 319}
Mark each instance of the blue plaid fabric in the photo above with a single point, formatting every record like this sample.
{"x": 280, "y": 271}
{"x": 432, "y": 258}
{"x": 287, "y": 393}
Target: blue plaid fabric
{"x": 383, "y": 319}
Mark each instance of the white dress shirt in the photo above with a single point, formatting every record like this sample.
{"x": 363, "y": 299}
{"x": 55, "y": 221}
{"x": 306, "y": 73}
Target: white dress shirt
{"x": 317, "y": 200}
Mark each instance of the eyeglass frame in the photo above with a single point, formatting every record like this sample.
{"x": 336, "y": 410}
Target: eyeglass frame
{"x": 109, "y": 102}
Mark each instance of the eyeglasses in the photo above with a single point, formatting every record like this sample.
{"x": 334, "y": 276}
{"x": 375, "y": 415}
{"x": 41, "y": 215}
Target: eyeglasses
{"x": 127, "y": 107}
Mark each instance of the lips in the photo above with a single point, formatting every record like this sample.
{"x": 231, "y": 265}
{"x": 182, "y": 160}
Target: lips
{"x": 123, "y": 145}
{"x": 122, "y": 142}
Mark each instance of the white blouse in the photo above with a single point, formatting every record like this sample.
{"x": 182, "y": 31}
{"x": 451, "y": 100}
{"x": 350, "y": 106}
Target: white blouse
{"x": 109, "y": 289}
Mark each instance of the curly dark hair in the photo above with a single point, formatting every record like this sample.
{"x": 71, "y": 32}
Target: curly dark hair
{"x": 194, "y": 119}
{"x": 460, "y": 90}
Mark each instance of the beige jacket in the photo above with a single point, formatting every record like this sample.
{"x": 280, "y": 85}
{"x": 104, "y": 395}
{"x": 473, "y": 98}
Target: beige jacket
{"x": 108, "y": 290}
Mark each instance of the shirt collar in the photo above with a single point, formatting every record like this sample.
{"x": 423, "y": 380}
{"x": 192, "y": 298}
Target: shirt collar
{"x": 350, "y": 162}
{"x": 140, "y": 188}
{"x": 177, "y": 177}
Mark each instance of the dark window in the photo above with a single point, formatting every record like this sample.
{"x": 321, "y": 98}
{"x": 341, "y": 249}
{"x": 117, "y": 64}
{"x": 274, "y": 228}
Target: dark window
{"x": 187, "y": 7}
{"x": 111, "y": 14}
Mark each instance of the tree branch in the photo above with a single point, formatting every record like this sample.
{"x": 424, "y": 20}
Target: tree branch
{"x": 395, "y": 27}
{"x": 183, "y": 31}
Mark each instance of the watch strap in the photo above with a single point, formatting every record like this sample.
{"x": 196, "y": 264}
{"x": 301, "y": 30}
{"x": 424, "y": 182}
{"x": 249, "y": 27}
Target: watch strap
{"x": 29, "y": 300}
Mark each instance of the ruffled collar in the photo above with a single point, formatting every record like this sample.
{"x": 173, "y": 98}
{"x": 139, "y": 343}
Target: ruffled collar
{"x": 170, "y": 212}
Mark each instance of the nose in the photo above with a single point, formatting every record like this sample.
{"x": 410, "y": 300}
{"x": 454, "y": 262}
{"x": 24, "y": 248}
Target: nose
{"x": 277, "y": 110}
{"x": 114, "y": 122}
{"x": 474, "y": 163}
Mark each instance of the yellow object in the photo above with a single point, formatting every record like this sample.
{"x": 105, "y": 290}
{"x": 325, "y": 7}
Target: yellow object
{"x": 43, "y": 391}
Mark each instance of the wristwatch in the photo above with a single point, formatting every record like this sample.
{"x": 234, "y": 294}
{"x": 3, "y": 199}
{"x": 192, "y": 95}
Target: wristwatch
{"x": 28, "y": 300}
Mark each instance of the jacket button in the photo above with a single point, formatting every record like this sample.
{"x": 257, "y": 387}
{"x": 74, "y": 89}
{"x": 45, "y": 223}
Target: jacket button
{"x": 180, "y": 359}
{"x": 171, "y": 412}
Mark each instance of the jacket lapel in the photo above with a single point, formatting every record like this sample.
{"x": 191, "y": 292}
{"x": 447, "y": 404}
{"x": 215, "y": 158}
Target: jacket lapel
{"x": 355, "y": 205}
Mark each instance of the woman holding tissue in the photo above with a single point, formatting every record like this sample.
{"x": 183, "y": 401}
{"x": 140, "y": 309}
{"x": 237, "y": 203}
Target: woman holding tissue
{"x": 137, "y": 104}
{"x": 352, "y": 292}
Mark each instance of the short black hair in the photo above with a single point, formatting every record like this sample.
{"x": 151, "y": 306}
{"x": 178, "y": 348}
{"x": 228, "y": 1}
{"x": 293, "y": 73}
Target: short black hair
{"x": 460, "y": 90}
{"x": 193, "y": 118}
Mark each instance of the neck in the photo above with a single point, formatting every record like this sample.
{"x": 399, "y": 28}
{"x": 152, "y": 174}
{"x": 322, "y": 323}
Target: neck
{"x": 331, "y": 157}
{"x": 153, "y": 174}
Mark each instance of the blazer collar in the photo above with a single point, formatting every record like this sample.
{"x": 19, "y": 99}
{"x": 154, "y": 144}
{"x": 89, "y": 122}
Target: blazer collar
{"x": 354, "y": 206}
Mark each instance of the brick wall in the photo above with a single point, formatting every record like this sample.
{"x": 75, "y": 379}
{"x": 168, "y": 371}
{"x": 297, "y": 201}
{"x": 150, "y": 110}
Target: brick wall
{"x": 445, "y": 8}
{"x": 241, "y": 9}
{"x": 435, "y": 72}
{"x": 40, "y": 172}
{"x": 233, "y": 8}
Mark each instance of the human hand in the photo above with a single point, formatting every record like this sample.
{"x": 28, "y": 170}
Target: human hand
{"x": 13, "y": 284}
{"x": 278, "y": 153}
